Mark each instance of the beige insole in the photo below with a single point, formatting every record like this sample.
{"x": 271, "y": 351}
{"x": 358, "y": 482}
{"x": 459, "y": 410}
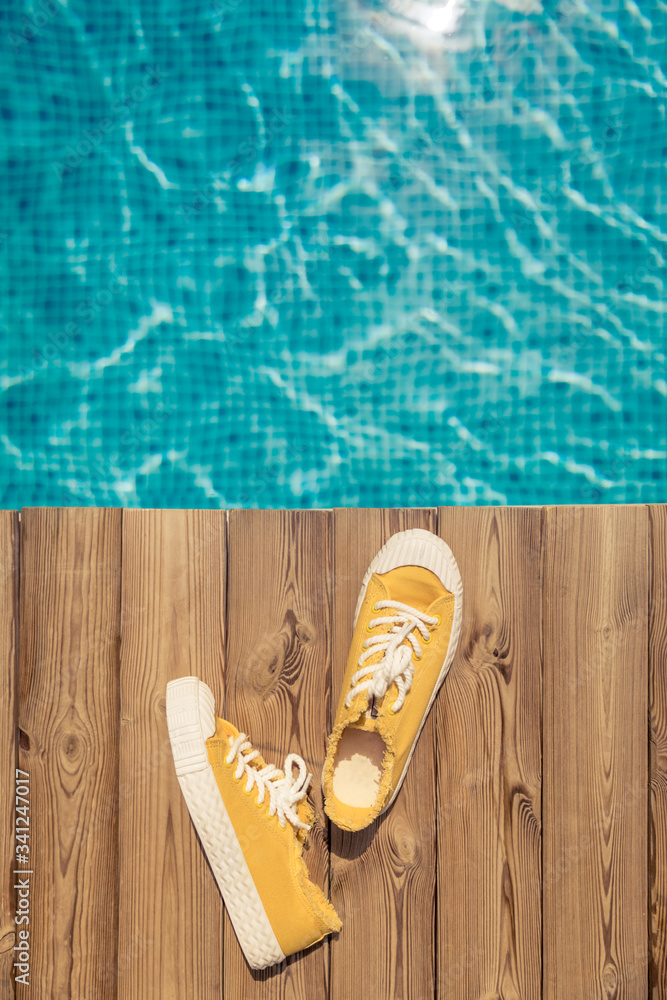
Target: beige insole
{"x": 358, "y": 768}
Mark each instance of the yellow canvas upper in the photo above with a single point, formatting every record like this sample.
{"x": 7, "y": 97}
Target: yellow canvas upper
{"x": 421, "y": 589}
{"x": 297, "y": 910}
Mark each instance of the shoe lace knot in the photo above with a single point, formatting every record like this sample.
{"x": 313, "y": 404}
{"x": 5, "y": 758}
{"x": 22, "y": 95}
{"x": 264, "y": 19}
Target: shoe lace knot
{"x": 397, "y": 646}
{"x": 283, "y": 789}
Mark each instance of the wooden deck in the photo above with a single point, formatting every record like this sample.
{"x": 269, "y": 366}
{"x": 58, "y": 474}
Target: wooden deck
{"x": 526, "y": 855}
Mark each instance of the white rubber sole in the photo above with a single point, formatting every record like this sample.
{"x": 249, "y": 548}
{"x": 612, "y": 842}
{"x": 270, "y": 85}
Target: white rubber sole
{"x": 418, "y": 547}
{"x": 191, "y": 721}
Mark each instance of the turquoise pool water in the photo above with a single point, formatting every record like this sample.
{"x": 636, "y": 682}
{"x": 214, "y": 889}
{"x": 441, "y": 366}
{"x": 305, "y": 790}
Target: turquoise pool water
{"x": 300, "y": 253}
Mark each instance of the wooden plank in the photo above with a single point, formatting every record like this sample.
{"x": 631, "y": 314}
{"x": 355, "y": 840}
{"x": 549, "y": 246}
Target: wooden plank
{"x": 595, "y": 629}
{"x": 658, "y": 731}
{"x": 68, "y": 718}
{"x": 277, "y": 691}
{"x": 383, "y": 877}
{"x": 489, "y": 762}
{"x": 9, "y": 579}
{"x": 173, "y": 613}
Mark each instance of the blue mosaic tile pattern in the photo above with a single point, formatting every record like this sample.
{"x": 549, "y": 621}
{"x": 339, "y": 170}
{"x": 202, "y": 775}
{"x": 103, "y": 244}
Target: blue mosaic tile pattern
{"x": 293, "y": 253}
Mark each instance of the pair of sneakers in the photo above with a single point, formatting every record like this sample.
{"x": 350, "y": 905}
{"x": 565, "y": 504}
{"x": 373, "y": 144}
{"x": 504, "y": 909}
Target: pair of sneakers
{"x": 252, "y": 818}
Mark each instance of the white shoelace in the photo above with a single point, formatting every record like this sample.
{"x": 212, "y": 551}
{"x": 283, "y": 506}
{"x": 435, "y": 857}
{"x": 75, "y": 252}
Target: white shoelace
{"x": 396, "y": 665}
{"x": 284, "y": 791}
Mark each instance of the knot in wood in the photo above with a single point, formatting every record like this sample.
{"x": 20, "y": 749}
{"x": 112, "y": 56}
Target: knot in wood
{"x": 72, "y": 748}
{"x": 610, "y": 980}
{"x": 303, "y": 633}
{"x": 71, "y": 744}
{"x": 404, "y": 844}
{"x": 265, "y": 665}
{"x": 7, "y": 939}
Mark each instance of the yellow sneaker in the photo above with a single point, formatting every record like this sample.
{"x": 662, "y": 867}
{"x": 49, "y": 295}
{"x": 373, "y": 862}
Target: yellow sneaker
{"x": 406, "y": 628}
{"x": 252, "y": 820}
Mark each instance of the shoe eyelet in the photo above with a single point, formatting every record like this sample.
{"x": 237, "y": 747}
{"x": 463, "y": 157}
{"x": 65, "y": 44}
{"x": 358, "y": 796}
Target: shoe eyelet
{"x": 375, "y": 607}
{"x": 368, "y": 628}
{"x": 424, "y": 639}
{"x": 438, "y": 621}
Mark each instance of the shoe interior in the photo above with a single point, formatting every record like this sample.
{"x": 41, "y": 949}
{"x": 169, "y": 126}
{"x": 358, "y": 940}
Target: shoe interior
{"x": 358, "y": 768}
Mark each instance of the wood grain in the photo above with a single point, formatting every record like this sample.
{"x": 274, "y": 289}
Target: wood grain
{"x": 277, "y": 691}
{"x": 9, "y": 581}
{"x": 488, "y": 718}
{"x": 173, "y": 612}
{"x": 658, "y": 733}
{"x": 112, "y": 605}
{"x": 595, "y": 878}
{"x": 68, "y": 717}
{"x": 383, "y": 877}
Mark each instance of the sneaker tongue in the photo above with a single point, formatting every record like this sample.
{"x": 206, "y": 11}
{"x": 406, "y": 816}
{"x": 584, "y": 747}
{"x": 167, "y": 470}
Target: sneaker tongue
{"x": 225, "y": 730}
{"x": 412, "y": 585}
{"x": 365, "y": 722}
{"x": 305, "y": 812}
{"x": 379, "y": 629}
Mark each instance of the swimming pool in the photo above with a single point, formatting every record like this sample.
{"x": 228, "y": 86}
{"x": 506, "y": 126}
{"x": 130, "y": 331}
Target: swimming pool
{"x": 333, "y": 253}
